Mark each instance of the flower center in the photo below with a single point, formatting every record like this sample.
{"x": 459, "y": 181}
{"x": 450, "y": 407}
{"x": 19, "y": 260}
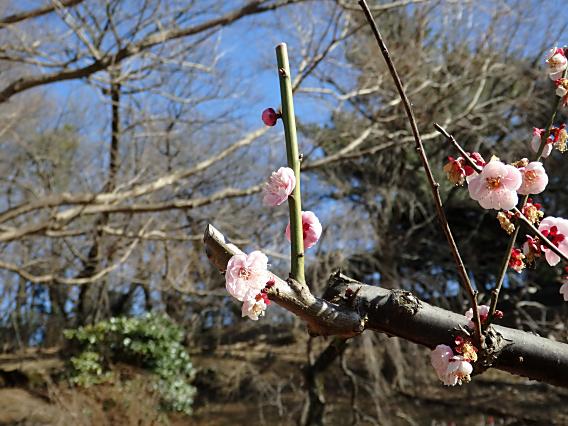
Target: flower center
{"x": 493, "y": 182}
{"x": 245, "y": 273}
{"x": 531, "y": 175}
{"x": 553, "y": 235}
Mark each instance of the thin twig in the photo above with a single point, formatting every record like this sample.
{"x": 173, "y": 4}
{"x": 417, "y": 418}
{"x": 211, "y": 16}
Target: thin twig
{"x": 466, "y": 284}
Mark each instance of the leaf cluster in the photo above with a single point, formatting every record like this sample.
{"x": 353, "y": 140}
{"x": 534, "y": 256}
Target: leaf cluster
{"x": 152, "y": 342}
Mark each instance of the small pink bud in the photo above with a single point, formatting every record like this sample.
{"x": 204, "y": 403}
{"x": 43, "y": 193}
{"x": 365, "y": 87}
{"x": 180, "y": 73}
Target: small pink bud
{"x": 498, "y": 314}
{"x": 270, "y": 117}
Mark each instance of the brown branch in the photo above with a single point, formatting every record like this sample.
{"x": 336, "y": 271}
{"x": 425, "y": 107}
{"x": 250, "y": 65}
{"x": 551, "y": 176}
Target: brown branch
{"x": 40, "y": 11}
{"x": 400, "y": 313}
{"x": 434, "y": 186}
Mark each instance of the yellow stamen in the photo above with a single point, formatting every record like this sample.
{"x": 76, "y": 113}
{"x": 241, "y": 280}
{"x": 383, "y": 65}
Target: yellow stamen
{"x": 530, "y": 175}
{"x": 494, "y": 182}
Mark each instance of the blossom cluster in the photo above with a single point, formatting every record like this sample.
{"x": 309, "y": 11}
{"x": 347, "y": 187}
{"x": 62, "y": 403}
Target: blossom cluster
{"x": 497, "y": 185}
{"x": 454, "y": 366}
{"x": 247, "y": 278}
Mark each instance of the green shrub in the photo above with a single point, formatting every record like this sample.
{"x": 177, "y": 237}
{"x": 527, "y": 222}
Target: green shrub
{"x": 152, "y": 342}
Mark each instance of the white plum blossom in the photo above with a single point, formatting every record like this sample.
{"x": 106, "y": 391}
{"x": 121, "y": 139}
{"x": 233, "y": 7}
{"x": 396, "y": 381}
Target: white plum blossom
{"x": 457, "y": 372}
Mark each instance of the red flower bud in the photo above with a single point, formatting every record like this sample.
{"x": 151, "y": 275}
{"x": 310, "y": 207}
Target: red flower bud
{"x": 269, "y": 117}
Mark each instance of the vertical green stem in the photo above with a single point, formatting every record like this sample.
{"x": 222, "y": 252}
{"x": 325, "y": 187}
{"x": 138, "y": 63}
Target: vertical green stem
{"x": 294, "y": 200}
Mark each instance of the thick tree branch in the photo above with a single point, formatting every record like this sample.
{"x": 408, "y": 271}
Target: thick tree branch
{"x": 349, "y": 305}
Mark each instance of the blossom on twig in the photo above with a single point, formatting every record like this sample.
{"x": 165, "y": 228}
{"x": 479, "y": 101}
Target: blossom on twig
{"x": 483, "y": 314}
{"x": 451, "y": 369}
{"x": 537, "y": 140}
{"x": 255, "y": 307}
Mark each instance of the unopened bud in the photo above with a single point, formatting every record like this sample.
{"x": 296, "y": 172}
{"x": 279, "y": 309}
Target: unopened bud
{"x": 270, "y": 117}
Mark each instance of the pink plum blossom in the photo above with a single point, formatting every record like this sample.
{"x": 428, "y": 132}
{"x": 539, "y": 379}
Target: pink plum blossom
{"x": 246, "y": 275}
{"x": 536, "y": 141}
{"x": 451, "y": 369}
{"x": 483, "y": 314}
{"x": 535, "y": 179}
{"x": 557, "y": 63}
{"x": 279, "y": 186}
{"x": 270, "y": 117}
{"x": 496, "y": 186}
{"x": 312, "y": 229}
{"x": 555, "y": 229}
{"x": 254, "y": 307}
{"x": 440, "y": 357}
